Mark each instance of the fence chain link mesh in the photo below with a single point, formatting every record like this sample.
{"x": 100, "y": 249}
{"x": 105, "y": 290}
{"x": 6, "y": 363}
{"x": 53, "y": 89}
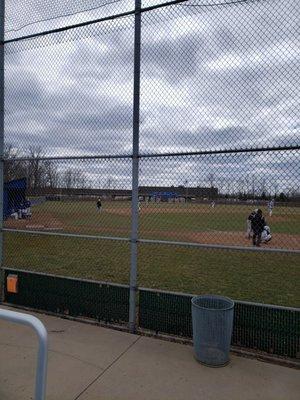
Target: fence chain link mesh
{"x": 219, "y": 139}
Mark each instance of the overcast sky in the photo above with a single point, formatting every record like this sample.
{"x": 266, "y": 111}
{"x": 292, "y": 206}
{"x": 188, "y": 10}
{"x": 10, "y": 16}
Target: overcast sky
{"x": 212, "y": 78}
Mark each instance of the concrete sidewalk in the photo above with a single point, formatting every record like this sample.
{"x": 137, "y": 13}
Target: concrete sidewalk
{"x": 91, "y": 363}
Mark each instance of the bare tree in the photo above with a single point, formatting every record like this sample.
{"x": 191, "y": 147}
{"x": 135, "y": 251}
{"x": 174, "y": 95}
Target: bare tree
{"x": 109, "y": 183}
{"x": 263, "y": 187}
{"x": 39, "y": 173}
{"x": 211, "y": 179}
{"x": 241, "y": 186}
{"x": 73, "y": 179}
{"x": 253, "y": 180}
{"x": 13, "y": 168}
{"x": 186, "y": 185}
{"x": 35, "y": 168}
{"x": 276, "y": 186}
{"x": 51, "y": 174}
{"x": 228, "y": 187}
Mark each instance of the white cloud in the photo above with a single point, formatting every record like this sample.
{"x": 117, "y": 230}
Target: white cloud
{"x": 279, "y": 53}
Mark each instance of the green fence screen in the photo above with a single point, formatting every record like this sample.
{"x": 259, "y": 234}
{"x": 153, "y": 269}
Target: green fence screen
{"x": 101, "y": 301}
{"x": 271, "y": 329}
{"x": 275, "y": 330}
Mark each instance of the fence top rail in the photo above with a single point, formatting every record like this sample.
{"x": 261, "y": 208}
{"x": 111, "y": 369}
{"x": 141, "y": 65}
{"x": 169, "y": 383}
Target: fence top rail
{"x": 94, "y": 21}
{"x": 100, "y": 283}
{"x": 64, "y": 234}
{"x": 155, "y": 155}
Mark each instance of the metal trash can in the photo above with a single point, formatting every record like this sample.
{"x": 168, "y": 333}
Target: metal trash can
{"x": 212, "y": 328}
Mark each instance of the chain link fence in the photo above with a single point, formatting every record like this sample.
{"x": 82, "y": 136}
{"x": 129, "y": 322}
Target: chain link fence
{"x": 212, "y": 129}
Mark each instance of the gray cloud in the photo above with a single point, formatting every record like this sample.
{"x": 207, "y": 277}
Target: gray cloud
{"x": 173, "y": 61}
{"x": 211, "y": 79}
{"x": 22, "y": 93}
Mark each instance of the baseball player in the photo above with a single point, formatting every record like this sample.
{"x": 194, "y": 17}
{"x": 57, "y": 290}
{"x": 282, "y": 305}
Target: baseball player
{"x": 266, "y": 234}
{"x": 99, "y": 205}
{"x": 257, "y": 225}
{"x": 270, "y": 207}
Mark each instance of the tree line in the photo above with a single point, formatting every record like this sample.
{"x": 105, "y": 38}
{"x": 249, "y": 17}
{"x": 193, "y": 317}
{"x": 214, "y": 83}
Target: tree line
{"x": 40, "y": 173}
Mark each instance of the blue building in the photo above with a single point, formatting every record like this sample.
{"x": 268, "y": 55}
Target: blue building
{"x": 163, "y": 196}
{"x": 14, "y": 196}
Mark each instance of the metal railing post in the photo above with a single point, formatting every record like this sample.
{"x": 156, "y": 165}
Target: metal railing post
{"x": 2, "y": 8}
{"x": 135, "y": 167}
{"x": 39, "y": 328}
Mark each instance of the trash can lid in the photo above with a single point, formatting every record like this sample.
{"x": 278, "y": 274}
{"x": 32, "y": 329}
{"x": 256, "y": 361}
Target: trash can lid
{"x": 213, "y": 302}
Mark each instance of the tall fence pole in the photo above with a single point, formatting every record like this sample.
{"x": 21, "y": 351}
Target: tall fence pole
{"x": 135, "y": 168}
{"x": 2, "y": 8}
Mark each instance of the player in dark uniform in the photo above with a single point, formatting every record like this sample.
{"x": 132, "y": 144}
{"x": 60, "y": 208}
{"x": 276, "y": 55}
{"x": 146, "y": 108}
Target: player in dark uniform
{"x": 257, "y": 225}
{"x": 99, "y": 204}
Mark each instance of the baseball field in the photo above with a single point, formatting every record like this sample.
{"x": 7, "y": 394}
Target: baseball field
{"x": 265, "y": 277}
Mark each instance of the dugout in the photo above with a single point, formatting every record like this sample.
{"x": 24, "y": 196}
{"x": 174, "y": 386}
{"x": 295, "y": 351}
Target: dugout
{"x": 14, "y": 196}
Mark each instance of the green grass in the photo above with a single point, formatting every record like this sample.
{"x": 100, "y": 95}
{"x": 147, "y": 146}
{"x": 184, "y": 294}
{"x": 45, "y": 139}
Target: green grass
{"x": 180, "y": 218}
{"x": 266, "y": 278}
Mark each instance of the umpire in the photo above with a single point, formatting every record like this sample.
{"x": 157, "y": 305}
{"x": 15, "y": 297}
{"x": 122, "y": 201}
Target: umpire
{"x": 258, "y": 223}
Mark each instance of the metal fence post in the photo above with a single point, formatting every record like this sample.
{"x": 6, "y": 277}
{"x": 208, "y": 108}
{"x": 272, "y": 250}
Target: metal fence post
{"x": 2, "y": 8}
{"x": 135, "y": 167}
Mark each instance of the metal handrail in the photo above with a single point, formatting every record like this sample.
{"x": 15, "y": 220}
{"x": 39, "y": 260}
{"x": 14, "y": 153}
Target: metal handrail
{"x": 39, "y": 328}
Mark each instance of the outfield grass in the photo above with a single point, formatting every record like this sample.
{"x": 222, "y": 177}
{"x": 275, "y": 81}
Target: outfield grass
{"x": 264, "y": 277}
{"x": 267, "y": 278}
{"x": 160, "y": 220}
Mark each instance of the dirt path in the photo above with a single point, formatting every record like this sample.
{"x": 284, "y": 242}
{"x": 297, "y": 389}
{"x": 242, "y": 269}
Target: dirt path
{"x": 46, "y": 221}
